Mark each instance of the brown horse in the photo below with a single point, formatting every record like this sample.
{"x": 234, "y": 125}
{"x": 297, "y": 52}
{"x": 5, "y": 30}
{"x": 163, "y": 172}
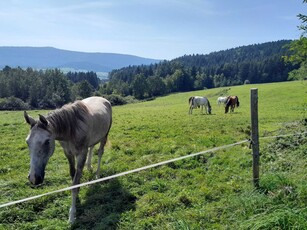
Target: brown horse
{"x": 232, "y": 102}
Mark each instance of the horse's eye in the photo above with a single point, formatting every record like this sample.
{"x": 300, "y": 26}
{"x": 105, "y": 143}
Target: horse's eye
{"x": 47, "y": 142}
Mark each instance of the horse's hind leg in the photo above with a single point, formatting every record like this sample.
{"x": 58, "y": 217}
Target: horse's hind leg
{"x": 191, "y": 109}
{"x": 232, "y": 108}
{"x": 89, "y": 159}
{"x": 100, "y": 153}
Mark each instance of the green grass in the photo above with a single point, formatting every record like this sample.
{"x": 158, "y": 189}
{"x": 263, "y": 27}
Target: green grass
{"x": 212, "y": 191}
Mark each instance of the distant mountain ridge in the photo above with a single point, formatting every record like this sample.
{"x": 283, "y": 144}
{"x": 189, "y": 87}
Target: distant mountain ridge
{"x": 49, "y": 57}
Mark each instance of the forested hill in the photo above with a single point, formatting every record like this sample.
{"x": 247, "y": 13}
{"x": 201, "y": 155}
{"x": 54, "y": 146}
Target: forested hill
{"x": 250, "y": 53}
{"x": 259, "y": 63}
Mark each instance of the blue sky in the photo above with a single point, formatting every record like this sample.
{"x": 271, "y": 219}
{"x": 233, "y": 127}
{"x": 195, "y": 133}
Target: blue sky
{"x": 161, "y": 29}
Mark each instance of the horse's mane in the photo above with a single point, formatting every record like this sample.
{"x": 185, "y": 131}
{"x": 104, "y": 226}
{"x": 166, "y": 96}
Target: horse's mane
{"x": 69, "y": 120}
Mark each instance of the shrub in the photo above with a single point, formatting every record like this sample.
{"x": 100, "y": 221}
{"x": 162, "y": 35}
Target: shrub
{"x": 13, "y": 103}
{"x": 116, "y": 99}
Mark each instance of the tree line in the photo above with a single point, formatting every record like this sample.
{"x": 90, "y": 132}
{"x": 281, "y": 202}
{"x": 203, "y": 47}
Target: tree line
{"x": 51, "y": 88}
{"x": 259, "y": 63}
{"x": 298, "y": 51}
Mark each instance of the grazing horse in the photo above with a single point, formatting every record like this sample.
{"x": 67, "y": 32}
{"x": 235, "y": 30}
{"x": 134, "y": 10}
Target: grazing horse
{"x": 78, "y": 127}
{"x": 196, "y": 102}
{"x": 232, "y": 102}
{"x": 221, "y": 100}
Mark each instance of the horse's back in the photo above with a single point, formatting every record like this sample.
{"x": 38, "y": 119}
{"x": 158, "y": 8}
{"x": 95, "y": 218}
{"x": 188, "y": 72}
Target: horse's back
{"x": 98, "y": 106}
{"x": 100, "y": 117}
{"x": 200, "y": 101}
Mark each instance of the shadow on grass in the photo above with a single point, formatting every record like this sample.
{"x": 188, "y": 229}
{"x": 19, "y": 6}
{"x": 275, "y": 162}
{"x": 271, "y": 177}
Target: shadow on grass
{"x": 103, "y": 205}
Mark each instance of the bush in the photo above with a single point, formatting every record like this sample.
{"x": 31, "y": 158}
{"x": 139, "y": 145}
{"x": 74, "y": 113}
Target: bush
{"x": 13, "y": 103}
{"x": 116, "y": 99}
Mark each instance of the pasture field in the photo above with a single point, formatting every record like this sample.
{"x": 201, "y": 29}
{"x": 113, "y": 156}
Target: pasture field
{"x": 212, "y": 191}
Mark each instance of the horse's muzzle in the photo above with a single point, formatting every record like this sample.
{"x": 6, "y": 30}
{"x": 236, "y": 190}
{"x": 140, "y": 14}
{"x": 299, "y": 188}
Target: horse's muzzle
{"x": 36, "y": 179}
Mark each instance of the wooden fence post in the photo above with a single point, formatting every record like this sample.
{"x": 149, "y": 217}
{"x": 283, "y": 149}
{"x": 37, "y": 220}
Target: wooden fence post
{"x": 255, "y": 135}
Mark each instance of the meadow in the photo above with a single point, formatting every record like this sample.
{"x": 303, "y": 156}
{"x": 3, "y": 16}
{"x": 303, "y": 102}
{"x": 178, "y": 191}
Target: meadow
{"x": 211, "y": 191}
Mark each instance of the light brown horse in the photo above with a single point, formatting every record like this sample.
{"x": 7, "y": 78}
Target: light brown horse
{"x": 232, "y": 102}
{"x": 78, "y": 126}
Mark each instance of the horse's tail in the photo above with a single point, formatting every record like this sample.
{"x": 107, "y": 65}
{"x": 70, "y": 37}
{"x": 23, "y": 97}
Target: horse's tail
{"x": 191, "y": 100}
{"x": 191, "y": 103}
{"x": 238, "y": 103}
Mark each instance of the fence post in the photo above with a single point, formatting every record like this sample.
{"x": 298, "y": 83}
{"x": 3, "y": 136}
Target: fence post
{"x": 255, "y": 135}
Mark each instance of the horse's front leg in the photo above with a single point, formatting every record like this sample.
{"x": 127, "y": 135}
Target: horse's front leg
{"x": 71, "y": 161}
{"x": 81, "y": 158}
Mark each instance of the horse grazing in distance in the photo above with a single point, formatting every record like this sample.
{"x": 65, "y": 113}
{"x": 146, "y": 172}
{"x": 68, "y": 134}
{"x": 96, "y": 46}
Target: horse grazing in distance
{"x": 196, "y": 102}
{"x": 221, "y": 100}
{"x": 232, "y": 102}
{"x": 78, "y": 127}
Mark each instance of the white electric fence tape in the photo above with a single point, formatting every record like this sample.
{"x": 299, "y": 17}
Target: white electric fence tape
{"x": 136, "y": 170}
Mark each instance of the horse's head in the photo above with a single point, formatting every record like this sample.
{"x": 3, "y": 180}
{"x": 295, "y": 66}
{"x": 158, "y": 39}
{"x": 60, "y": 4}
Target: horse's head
{"x": 41, "y": 145}
{"x": 228, "y": 104}
{"x": 209, "y": 109}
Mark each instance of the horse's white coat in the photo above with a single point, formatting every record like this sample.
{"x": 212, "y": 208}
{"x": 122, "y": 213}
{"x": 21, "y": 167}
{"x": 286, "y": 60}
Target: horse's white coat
{"x": 221, "y": 100}
{"x": 78, "y": 127}
{"x": 197, "y": 101}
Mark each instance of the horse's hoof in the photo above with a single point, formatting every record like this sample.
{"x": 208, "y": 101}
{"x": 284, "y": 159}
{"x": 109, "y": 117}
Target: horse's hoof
{"x": 72, "y": 215}
{"x": 90, "y": 168}
{"x": 71, "y": 220}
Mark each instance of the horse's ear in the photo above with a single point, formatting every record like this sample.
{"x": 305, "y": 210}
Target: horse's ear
{"x": 29, "y": 119}
{"x": 43, "y": 120}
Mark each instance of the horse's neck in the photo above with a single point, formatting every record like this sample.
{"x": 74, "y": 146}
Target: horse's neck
{"x": 57, "y": 135}
{"x": 56, "y": 130}
{"x": 72, "y": 134}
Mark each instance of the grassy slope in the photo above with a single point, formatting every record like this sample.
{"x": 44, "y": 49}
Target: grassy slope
{"x": 212, "y": 191}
